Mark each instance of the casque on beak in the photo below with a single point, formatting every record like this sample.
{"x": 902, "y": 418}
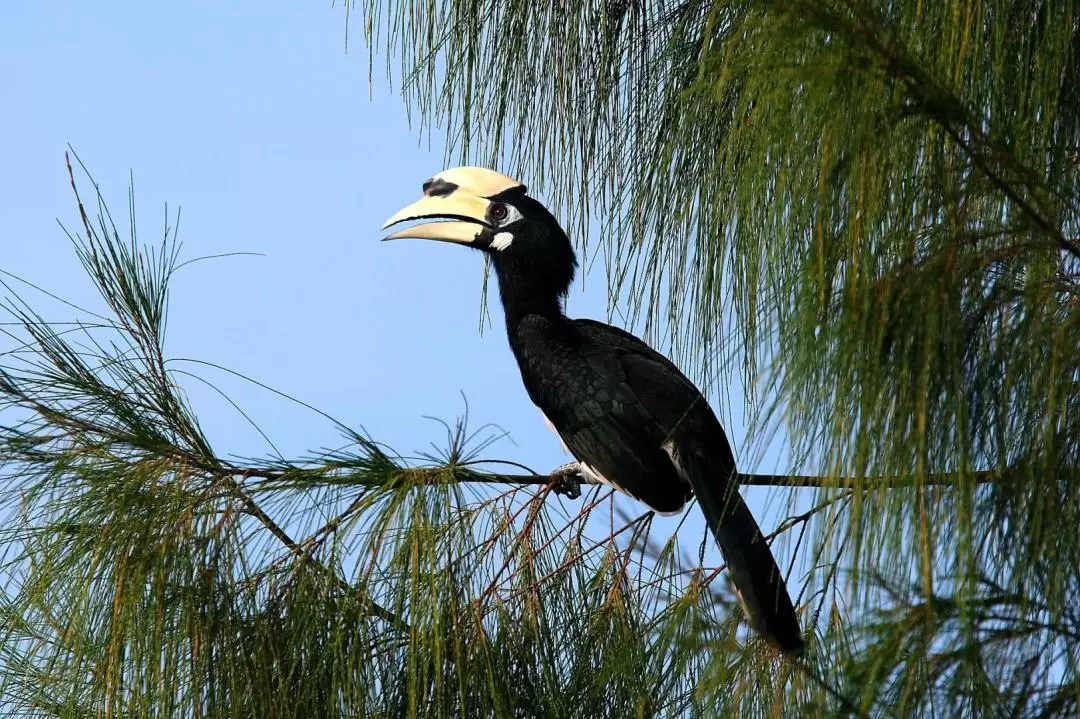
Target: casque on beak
{"x": 457, "y": 198}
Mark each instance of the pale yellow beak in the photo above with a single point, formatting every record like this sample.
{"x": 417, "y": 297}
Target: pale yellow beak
{"x": 466, "y": 212}
{"x": 457, "y": 195}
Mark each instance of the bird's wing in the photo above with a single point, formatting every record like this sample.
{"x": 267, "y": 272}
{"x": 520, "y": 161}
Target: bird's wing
{"x": 699, "y": 449}
{"x": 628, "y": 413}
{"x": 672, "y": 401}
{"x": 597, "y": 393}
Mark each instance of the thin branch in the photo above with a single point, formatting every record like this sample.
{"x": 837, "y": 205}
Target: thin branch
{"x": 221, "y": 471}
{"x": 800, "y": 480}
{"x": 274, "y": 528}
{"x": 439, "y": 475}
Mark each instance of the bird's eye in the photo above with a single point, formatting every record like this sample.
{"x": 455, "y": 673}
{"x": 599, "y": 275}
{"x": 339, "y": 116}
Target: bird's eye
{"x": 499, "y": 212}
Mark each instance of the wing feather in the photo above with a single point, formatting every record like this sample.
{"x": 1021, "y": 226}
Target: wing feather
{"x": 582, "y": 386}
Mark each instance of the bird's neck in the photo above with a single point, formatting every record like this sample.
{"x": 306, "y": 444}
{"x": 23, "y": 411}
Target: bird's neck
{"x": 524, "y": 291}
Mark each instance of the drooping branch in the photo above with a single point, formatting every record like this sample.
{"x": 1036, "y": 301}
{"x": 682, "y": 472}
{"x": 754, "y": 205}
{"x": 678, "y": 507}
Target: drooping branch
{"x": 301, "y": 551}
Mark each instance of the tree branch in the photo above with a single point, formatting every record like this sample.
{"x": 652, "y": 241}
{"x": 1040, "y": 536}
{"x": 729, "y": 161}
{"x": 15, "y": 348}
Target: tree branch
{"x": 439, "y": 475}
{"x": 252, "y": 508}
{"x": 756, "y": 480}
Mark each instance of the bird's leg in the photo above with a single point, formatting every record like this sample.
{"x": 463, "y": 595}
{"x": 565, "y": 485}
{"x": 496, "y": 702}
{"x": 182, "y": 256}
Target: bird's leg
{"x": 566, "y": 479}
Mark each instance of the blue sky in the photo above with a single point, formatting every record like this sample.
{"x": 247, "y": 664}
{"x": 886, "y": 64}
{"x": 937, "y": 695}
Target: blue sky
{"x": 253, "y": 120}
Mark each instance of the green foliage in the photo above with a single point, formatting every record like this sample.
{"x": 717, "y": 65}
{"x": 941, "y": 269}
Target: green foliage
{"x": 872, "y": 206}
{"x": 145, "y": 575}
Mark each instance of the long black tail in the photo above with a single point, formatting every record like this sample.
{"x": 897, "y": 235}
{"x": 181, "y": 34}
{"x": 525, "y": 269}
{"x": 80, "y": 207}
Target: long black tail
{"x": 750, "y": 562}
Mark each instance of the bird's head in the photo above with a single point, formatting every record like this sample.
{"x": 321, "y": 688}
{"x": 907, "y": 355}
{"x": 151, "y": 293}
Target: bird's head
{"x": 491, "y": 212}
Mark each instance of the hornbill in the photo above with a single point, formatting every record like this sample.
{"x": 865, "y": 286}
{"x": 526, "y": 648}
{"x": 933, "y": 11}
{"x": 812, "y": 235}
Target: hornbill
{"x": 627, "y": 414}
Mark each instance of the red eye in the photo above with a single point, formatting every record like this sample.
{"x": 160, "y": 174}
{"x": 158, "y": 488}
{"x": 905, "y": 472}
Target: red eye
{"x": 499, "y": 212}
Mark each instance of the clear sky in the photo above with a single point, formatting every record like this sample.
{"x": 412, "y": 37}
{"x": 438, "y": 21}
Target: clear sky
{"x": 252, "y": 118}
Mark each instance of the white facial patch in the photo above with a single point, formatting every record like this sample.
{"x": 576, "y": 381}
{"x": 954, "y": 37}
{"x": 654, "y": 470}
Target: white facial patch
{"x": 501, "y": 241}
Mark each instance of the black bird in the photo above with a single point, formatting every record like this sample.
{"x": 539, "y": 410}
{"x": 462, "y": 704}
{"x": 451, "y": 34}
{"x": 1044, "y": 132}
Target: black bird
{"x": 627, "y": 414}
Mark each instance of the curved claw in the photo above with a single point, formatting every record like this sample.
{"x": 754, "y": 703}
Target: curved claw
{"x": 566, "y": 480}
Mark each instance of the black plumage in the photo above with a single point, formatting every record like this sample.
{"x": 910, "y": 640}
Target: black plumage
{"x": 625, "y": 412}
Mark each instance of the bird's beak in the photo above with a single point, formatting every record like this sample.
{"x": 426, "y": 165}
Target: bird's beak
{"x": 462, "y": 218}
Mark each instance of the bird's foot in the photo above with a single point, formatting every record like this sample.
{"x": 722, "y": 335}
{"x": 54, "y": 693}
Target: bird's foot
{"x": 566, "y": 480}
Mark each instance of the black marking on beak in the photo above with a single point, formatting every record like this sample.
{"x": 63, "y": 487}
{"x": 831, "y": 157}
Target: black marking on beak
{"x": 436, "y": 187}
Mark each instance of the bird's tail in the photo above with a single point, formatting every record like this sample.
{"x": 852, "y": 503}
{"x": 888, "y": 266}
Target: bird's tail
{"x": 750, "y": 562}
